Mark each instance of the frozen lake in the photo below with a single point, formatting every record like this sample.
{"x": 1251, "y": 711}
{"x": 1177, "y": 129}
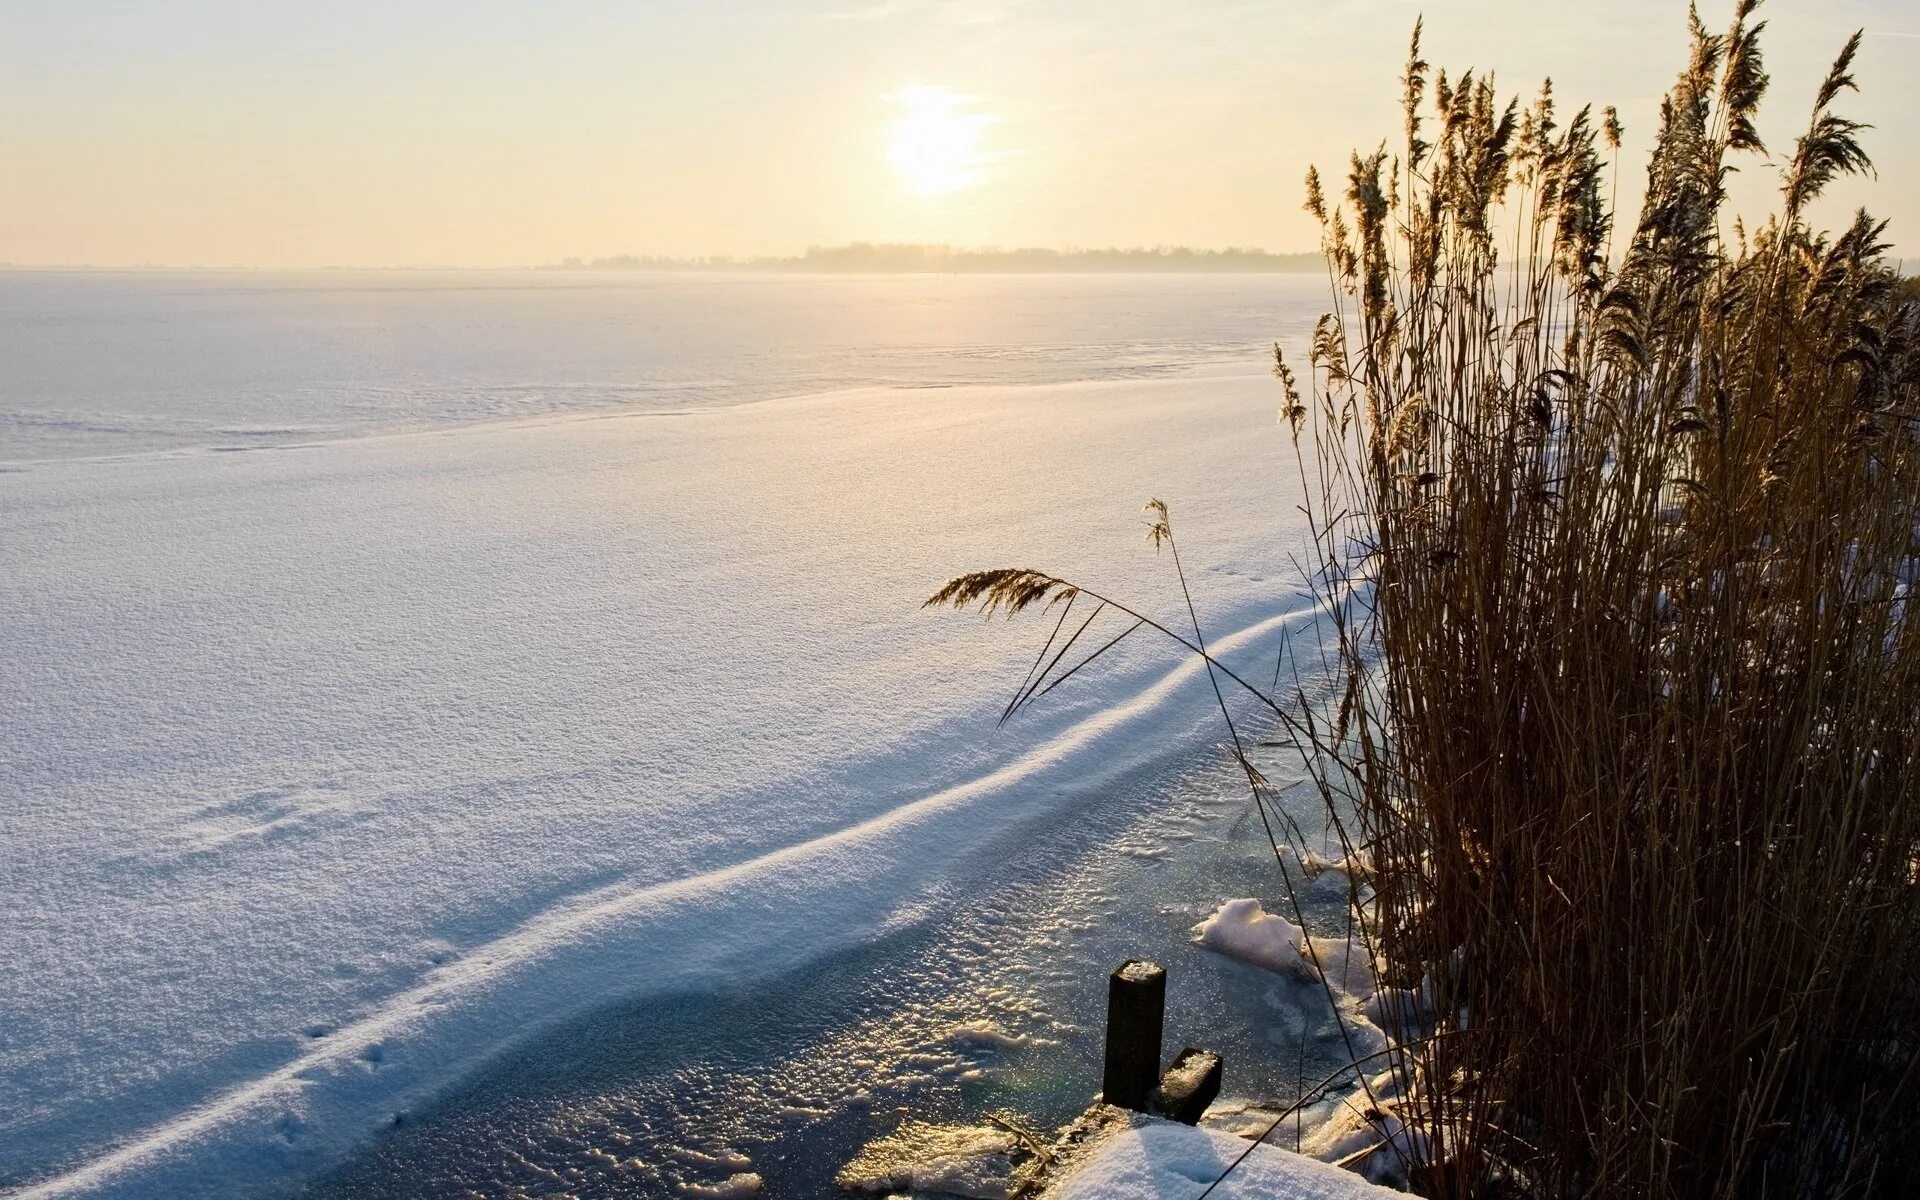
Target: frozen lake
{"x": 100, "y": 363}
{"x": 416, "y": 680}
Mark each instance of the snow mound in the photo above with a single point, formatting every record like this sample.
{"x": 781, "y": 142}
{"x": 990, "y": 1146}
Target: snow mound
{"x": 743, "y": 1186}
{"x": 1165, "y": 1161}
{"x": 1375, "y": 1144}
{"x": 1242, "y": 929}
{"x": 722, "y": 1160}
{"x": 1355, "y": 866}
{"x": 1406, "y": 1012}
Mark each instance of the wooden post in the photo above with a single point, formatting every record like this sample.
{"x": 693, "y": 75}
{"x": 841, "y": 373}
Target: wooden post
{"x": 1136, "y": 1009}
{"x": 1190, "y": 1084}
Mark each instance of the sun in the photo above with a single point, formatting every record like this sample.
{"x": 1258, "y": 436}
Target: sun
{"x": 934, "y": 144}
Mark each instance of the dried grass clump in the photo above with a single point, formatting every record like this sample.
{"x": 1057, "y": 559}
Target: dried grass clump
{"x": 1616, "y": 545}
{"x": 1632, "y": 700}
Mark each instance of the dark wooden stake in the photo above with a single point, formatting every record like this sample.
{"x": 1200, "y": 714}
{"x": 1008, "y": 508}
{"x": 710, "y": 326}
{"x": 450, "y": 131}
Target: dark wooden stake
{"x": 1190, "y": 1084}
{"x": 1136, "y": 1009}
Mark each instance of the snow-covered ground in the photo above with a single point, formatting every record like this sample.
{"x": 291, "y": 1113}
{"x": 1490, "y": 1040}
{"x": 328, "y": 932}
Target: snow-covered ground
{"x": 1160, "y": 1160}
{"x": 333, "y": 770}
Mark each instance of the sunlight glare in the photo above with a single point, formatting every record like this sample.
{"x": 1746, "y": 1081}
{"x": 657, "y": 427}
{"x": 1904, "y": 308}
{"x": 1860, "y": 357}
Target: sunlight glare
{"x": 935, "y": 141}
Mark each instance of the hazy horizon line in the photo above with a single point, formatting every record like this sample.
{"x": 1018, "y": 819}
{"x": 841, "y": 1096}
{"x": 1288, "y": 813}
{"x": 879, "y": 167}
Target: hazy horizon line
{"x": 843, "y": 258}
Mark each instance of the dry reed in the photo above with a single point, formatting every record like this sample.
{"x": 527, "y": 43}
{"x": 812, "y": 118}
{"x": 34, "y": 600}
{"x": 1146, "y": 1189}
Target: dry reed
{"x": 1616, "y": 545}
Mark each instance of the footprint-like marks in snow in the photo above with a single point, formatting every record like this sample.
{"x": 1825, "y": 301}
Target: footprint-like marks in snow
{"x": 263, "y": 816}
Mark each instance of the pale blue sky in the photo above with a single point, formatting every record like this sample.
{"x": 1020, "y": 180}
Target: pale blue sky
{"x": 216, "y": 132}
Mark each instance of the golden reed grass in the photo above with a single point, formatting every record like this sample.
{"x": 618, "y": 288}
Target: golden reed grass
{"x": 1616, "y": 544}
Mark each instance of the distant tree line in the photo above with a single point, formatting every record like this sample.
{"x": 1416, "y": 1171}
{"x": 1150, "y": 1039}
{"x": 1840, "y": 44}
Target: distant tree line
{"x": 877, "y": 257}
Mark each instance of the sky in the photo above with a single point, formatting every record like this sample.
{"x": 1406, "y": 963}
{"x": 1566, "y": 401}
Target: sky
{"x": 484, "y": 133}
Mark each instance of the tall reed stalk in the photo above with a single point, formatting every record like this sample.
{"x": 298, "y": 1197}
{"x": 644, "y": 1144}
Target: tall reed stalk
{"x": 1616, "y": 546}
{"x": 1632, "y": 702}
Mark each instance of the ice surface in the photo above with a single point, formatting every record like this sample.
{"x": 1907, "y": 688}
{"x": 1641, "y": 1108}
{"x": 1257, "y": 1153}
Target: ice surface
{"x": 333, "y": 771}
{"x": 108, "y": 363}
{"x": 985, "y": 1035}
{"x": 1164, "y": 1161}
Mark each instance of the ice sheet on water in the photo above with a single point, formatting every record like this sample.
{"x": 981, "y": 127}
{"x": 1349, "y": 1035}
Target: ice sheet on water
{"x": 244, "y": 360}
{"x": 333, "y": 773}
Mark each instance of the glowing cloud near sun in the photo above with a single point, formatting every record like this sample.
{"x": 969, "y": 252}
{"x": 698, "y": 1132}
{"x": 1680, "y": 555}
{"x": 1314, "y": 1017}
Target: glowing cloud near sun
{"x": 934, "y": 143}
